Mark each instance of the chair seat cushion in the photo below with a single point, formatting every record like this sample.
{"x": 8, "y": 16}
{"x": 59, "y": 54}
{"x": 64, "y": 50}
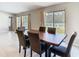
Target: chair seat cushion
{"x": 59, "y": 50}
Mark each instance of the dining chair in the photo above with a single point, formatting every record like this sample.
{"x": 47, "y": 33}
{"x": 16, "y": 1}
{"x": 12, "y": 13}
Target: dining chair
{"x": 51, "y": 30}
{"x": 27, "y": 40}
{"x": 22, "y": 41}
{"x": 36, "y": 46}
{"x": 42, "y": 29}
{"x": 61, "y": 50}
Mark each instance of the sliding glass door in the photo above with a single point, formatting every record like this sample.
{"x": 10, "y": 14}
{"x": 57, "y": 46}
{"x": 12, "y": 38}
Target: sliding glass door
{"x": 59, "y": 21}
{"x": 55, "y": 19}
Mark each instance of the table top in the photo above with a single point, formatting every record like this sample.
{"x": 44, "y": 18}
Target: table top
{"x": 52, "y": 39}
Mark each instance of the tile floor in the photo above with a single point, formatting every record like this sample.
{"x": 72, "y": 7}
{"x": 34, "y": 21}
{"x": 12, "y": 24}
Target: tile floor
{"x": 9, "y": 46}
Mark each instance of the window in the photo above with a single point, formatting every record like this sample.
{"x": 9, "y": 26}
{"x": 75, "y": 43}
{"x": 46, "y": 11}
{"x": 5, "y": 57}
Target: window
{"x": 59, "y": 21}
{"x": 9, "y": 21}
{"x": 49, "y": 19}
{"x": 22, "y": 21}
{"x": 25, "y": 22}
{"x": 55, "y": 19}
{"x": 18, "y": 21}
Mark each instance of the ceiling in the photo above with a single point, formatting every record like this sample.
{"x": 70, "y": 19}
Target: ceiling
{"x": 18, "y": 7}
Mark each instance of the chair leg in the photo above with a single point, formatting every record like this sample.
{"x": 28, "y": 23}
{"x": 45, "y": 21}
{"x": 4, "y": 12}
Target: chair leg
{"x": 49, "y": 53}
{"x": 25, "y": 52}
{"x": 31, "y": 53}
{"x": 68, "y": 55}
{"x": 54, "y": 55}
{"x": 19, "y": 48}
{"x": 46, "y": 50}
{"x": 40, "y": 55}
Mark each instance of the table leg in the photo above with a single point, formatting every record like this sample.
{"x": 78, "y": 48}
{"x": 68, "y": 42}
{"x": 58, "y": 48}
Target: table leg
{"x": 45, "y": 53}
{"x": 46, "y": 50}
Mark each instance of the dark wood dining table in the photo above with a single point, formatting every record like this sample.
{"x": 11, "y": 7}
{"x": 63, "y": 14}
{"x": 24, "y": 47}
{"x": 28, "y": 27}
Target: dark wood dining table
{"x": 50, "y": 39}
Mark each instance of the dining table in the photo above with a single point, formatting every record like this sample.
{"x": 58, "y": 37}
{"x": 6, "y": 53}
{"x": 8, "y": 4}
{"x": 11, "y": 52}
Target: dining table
{"x": 50, "y": 39}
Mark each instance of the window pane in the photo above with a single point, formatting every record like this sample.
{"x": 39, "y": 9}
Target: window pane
{"x": 48, "y": 20}
{"x": 55, "y": 19}
{"x": 9, "y": 22}
{"x": 18, "y": 21}
{"x": 59, "y": 21}
{"x": 25, "y": 22}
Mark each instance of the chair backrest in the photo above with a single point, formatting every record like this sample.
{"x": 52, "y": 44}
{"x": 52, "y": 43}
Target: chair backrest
{"x": 34, "y": 42}
{"x": 42, "y": 29}
{"x": 70, "y": 43}
{"x": 51, "y": 30}
{"x": 21, "y": 38}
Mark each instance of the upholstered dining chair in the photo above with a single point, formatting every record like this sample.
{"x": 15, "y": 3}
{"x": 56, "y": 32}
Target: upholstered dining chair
{"x": 36, "y": 46}
{"x": 51, "y": 30}
{"x": 61, "y": 50}
{"x": 22, "y": 41}
{"x": 42, "y": 29}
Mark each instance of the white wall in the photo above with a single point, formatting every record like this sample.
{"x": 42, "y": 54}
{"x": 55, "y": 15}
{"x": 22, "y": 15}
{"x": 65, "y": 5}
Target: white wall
{"x": 35, "y": 20}
{"x": 72, "y": 18}
{"x": 4, "y": 21}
